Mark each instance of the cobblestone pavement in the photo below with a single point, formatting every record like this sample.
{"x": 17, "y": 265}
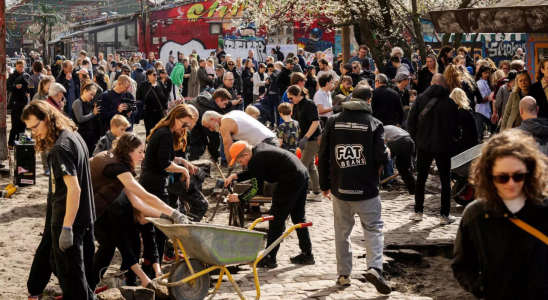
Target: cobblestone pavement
{"x": 290, "y": 281}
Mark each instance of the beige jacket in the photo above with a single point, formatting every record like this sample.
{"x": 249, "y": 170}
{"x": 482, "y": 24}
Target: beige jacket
{"x": 511, "y": 118}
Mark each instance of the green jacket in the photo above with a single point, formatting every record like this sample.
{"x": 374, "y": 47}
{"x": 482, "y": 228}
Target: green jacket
{"x": 178, "y": 74}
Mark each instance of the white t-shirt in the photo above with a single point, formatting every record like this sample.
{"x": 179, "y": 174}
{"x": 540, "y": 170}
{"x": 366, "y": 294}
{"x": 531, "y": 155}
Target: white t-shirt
{"x": 515, "y": 205}
{"x": 335, "y": 76}
{"x": 324, "y": 98}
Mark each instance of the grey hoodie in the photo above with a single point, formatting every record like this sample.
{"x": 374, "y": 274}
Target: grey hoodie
{"x": 536, "y": 127}
{"x": 357, "y": 104}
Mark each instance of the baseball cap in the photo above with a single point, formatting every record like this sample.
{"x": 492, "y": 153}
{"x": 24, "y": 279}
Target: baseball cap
{"x": 58, "y": 57}
{"x": 235, "y": 150}
{"x": 82, "y": 71}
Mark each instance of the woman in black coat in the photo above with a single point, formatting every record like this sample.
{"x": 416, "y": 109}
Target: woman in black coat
{"x": 537, "y": 91}
{"x": 311, "y": 81}
{"x": 467, "y": 123}
{"x": 422, "y": 82}
{"x": 169, "y": 88}
{"x": 151, "y": 94}
{"x": 247, "y": 78}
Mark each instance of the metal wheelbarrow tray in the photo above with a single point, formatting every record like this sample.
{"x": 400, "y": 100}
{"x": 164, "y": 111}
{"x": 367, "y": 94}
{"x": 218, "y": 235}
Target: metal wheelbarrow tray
{"x": 214, "y": 244}
{"x": 207, "y": 247}
{"x": 460, "y": 164}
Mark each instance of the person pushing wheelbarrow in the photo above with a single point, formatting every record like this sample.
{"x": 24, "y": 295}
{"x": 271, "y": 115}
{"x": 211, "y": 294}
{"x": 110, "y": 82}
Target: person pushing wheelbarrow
{"x": 275, "y": 165}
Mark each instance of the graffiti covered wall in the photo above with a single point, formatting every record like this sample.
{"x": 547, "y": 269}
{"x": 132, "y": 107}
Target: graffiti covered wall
{"x": 238, "y": 41}
{"x": 314, "y": 38}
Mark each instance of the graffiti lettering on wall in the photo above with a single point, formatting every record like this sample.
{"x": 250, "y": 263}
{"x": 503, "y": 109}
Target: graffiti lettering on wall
{"x": 504, "y": 49}
{"x": 240, "y": 47}
{"x": 174, "y": 49}
{"x": 198, "y": 11}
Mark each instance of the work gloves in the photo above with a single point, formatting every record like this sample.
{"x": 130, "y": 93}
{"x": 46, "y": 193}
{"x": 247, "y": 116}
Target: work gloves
{"x": 65, "y": 239}
{"x": 179, "y": 218}
{"x": 302, "y": 143}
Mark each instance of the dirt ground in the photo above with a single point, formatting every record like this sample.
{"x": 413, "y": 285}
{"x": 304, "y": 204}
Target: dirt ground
{"x": 22, "y": 220}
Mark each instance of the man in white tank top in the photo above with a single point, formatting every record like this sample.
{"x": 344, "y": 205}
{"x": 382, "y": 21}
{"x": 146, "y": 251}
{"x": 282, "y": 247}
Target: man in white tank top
{"x": 238, "y": 126}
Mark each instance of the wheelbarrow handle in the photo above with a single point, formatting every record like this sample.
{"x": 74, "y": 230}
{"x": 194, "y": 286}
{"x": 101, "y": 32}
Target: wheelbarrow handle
{"x": 269, "y": 218}
{"x": 261, "y": 219}
{"x": 303, "y": 225}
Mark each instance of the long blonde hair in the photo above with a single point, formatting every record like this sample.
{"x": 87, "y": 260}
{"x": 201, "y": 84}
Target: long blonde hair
{"x": 495, "y": 77}
{"x": 42, "y": 84}
{"x": 516, "y": 85}
{"x": 247, "y": 64}
{"x": 460, "y": 98}
{"x": 452, "y": 77}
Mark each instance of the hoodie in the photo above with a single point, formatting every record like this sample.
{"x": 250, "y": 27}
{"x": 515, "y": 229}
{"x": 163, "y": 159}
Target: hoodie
{"x": 201, "y": 136}
{"x": 139, "y": 76}
{"x": 351, "y": 151}
{"x": 538, "y": 129}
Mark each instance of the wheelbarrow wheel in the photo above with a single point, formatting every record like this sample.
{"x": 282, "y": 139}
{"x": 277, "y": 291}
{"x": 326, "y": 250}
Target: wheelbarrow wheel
{"x": 196, "y": 289}
{"x": 462, "y": 192}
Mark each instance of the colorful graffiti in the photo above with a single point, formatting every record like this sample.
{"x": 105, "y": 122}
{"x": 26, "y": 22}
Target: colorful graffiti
{"x": 194, "y": 12}
{"x": 242, "y": 40}
{"x": 175, "y": 48}
{"x": 314, "y": 41}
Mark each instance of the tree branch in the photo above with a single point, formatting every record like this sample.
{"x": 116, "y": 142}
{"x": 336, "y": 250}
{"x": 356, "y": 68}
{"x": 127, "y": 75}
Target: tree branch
{"x": 338, "y": 24}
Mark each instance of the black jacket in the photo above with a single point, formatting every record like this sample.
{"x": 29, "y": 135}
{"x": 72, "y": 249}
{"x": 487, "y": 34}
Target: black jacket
{"x": 238, "y": 82}
{"x": 495, "y": 259}
{"x": 203, "y": 78}
{"x": 247, "y": 75}
{"x": 404, "y": 95}
{"x": 538, "y": 129}
{"x": 201, "y": 136}
{"x": 310, "y": 85}
{"x": 537, "y": 92}
{"x": 284, "y": 80}
{"x": 273, "y": 78}
{"x": 18, "y": 96}
{"x": 423, "y": 80}
{"x": 352, "y": 150}
{"x": 467, "y": 125}
{"x": 472, "y": 93}
{"x": 62, "y": 79}
{"x": 363, "y": 75}
{"x": 280, "y": 55}
{"x": 387, "y": 106}
{"x": 439, "y": 128}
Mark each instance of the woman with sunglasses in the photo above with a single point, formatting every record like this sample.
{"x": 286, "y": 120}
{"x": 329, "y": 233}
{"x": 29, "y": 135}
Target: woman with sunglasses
{"x": 168, "y": 136}
{"x": 119, "y": 201}
{"x": 151, "y": 94}
{"x": 494, "y": 258}
{"x": 238, "y": 82}
{"x": 169, "y": 87}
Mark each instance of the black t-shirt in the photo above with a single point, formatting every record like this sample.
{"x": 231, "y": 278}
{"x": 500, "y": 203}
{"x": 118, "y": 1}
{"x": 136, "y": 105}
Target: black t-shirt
{"x": 305, "y": 113}
{"x": 69, "y": 157}
{"x": 159, "y": 155}
{"x": 113, "y": 170}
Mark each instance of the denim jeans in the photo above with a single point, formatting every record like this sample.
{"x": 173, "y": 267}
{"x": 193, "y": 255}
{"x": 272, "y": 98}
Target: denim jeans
{"x": 75, "y": 265}
{"x": 273, "y": 102}
{"x": 223, "y": 155}
{"x": 388, "y": 170}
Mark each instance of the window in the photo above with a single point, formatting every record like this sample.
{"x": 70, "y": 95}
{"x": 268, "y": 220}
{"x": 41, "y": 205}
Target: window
{"x": 107, "y": 35}
{"x": 282, "y": 35}
{"x": 215, "y": 28}
{"x": 126, "y": 35}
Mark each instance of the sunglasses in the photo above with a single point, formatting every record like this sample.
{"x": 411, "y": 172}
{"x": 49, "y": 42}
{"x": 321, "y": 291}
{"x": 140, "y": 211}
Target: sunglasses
{"x": 154, "y": 74}
{"x": 230, "y": 64}
{"x": 518, "y": 177}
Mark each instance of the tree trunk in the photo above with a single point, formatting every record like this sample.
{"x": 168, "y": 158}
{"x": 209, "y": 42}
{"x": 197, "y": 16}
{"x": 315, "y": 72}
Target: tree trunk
{"x": 45, "y": 40}
{"x": 473, "y": 48}
{"x": 368, "y": 38}
{"x": 458, "y": 40}
{"x": 417, "y": 28}
{"x": 3, "y": 94}
{"x": 358, "y": 35}
{"x": 445, "y": 39}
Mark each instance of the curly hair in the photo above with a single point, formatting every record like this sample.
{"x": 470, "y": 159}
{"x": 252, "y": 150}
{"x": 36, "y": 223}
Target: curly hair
{"x": 516, "y": 144}
{"x": 542, "y": 64}
{"x": 53, "y": 118}
{"x": 452, "y": 77}
{"x": 178, "y": 112}
{"x": 126, "y": 144}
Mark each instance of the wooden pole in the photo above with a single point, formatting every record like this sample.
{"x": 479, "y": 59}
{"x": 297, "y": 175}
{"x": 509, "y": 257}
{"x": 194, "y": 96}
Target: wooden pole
{"x": 345, "y": 43}
{"x": 3, "y": 90}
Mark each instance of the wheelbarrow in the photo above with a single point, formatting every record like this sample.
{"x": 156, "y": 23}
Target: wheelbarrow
{"x": 463, "y": 191}
{"x": 208, "y": 247}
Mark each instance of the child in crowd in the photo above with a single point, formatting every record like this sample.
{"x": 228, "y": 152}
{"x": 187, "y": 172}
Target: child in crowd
{"x": 118, "y": 125}
{"x": 288, "y": 131}
{"x": 210, "y": 67}
{"x": 407, "y": 109}
{"x": 253, "y": 111}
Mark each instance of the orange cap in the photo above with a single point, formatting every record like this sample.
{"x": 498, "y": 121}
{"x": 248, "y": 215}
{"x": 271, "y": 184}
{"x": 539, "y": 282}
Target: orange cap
{"x": 235, "y": 150}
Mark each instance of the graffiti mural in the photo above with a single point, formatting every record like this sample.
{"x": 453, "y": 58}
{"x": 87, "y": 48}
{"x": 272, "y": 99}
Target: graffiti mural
{"x": 175, "y": 48}
{"x": 242, "y": 40}
{"x": 314, "y": 41}
{"x": 505, "y": 49}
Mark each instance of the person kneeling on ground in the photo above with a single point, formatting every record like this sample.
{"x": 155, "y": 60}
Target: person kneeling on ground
{"x": 118, "y": 125}
{"x": 275, "y": 165}
{"x": 112, "y": 172}
{"x": 352, "y": 152}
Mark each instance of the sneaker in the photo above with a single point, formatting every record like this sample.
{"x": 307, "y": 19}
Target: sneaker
{"x": 303, "y": 259}
{"x": 416, "y": 217}
{"x": 47, "y": 172}
{"x": 313, "y": 197}
{"x": 267, "y": 262}
{"x": 8, "y": 187}
{"x": 171, "y": 257}
{"x": 375, "y": 278}
{"x": 11, "y": 191}
{"x": 343, "y": 280}
{"x": 447, "y": 220}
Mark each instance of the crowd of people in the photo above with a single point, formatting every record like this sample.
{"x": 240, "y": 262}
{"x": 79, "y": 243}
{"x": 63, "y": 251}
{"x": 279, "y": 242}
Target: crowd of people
{"x": 319, "y": 131}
